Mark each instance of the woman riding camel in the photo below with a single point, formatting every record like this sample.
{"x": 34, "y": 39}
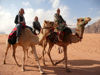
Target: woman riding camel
{"x": 20, "y": 23}
{"x": 36, "y": 25}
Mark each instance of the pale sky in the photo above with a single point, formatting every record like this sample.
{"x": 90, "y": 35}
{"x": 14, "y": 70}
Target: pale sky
{"x": 45, "y": 10}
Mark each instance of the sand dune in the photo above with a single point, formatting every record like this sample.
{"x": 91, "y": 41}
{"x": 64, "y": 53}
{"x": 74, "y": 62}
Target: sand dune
{"x": 83, "y": 59}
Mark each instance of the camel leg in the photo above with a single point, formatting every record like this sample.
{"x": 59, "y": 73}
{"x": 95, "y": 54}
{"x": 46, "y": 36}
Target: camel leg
{"x": 41, "y": 57}
{"x": 14, "y": 51}
{"x": 66, "y": 59}
{"x": 49, "y": 50}
{"x": 37, "y": 59}
{"x": 24, "y": 50}
{"x": 27, "y": 54}
{"x": 8, "y": 46}
{"x": 44, "y": 52}
{"x": 59, "y": 50}
{"x": 60, "y": 60}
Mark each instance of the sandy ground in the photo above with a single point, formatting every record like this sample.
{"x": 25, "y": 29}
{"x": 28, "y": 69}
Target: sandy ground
{"x": 83, "y": 59}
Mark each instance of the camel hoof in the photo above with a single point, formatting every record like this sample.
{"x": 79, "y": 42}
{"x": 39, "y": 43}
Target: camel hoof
{"x": 23, "y": 70}
{"x": 4, "y": 62}
{"x": 53, "y": 64}
{"x": 42, "y": 72}
{"x": 44, "y": 64}
{"x": 18, "y": 65}
{"x": 29, "y": 57}
{"x": 68, "y": 70}
{"x": 40, "y": 58}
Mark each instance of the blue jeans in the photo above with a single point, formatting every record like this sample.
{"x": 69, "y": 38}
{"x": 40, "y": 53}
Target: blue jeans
{"x": 19, "y": 29}
{"x": 18, "y": 32}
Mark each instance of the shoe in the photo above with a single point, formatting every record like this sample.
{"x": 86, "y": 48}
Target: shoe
{"x": 17, "y": 39}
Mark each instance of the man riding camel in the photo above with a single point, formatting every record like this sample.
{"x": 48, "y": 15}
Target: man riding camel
{"x": 60, "y": 22}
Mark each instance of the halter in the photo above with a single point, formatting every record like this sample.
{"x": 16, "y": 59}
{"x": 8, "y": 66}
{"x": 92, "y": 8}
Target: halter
{"x": 83, "y": 22}
{"x": 47, "y": 28}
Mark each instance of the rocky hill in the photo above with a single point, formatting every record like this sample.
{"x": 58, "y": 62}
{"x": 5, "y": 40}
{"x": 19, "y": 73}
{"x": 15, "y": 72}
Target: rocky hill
{"x": 93, "y": 28}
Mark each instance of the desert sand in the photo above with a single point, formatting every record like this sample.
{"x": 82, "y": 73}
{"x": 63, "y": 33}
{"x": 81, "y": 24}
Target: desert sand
{"x": 83, "y": 59}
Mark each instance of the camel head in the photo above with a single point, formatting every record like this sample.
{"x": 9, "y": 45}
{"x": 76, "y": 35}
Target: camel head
{"x": 81, "y": 23}
{"x": 48, "y": 24}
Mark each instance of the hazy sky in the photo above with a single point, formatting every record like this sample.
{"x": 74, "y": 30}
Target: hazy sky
{"x": 45, "y": 9}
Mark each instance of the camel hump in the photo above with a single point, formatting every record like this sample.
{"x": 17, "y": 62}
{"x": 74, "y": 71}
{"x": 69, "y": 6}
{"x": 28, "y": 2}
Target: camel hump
{"x": 66, "y": 34}
{"x": 67, "y": 31}
{"x": 29, "y": 37}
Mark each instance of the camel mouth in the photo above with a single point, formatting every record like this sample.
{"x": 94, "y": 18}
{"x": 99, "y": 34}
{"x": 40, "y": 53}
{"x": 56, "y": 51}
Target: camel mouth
{"x": 88, "y": 19}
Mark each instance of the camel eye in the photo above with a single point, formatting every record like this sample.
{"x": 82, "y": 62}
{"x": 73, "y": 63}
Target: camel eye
{"x": 82, "y": 20}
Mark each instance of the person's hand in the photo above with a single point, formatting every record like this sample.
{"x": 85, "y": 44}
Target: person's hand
{"x": 22, "y": 22}
{"x": 64, "y": 23}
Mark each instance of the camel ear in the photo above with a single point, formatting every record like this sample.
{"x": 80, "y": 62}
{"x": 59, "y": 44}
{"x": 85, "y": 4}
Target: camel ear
{"x": 45, "y": 21}
{"x": 51, "y": 22}
{"x": 78, "y": 19}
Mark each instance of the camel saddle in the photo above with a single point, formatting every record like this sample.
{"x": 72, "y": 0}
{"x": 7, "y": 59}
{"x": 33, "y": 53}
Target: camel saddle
{"x": 54, "y": 36}
{"x": 12, "y": 36}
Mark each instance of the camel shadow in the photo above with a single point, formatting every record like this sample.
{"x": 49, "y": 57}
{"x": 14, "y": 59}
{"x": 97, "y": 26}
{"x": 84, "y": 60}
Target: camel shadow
{"x": 83, "y": 62}
{"x": 60, "y": 70}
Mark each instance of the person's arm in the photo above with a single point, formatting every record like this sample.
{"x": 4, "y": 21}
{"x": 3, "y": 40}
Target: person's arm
{"x": 39, "y": 25}
{"x": 63, "y": 21}
{"x": 24, "y": 20}
{"x": 56, "y": 19}
{"x": 16, "y": 19}
{"x": 34, "y": 25}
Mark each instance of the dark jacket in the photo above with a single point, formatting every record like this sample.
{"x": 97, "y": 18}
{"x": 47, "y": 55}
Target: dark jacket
{"x": 19, "y": 18}
{"x": 58, "y": 19}
{"x": 36, "y": 25}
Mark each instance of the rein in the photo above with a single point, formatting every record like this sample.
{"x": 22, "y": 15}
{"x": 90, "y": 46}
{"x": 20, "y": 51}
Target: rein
{"x": 47, "y": 28}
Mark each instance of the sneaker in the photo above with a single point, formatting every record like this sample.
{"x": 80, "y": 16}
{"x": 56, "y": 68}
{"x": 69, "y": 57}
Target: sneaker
{"x": 17, "y": 39}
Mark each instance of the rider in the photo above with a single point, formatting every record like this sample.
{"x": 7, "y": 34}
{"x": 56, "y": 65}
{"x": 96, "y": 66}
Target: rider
{"x": 20, "y": 22}
{"x": 36, "y": 24}
{"x": 60, "y": 22}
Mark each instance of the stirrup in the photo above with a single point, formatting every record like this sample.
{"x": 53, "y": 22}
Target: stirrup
{"x": 59, "y": 39}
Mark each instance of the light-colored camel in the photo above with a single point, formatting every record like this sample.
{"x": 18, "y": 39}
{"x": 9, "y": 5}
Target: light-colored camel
{"x": 27, "y": 39}
{"x": 72, "y": 38}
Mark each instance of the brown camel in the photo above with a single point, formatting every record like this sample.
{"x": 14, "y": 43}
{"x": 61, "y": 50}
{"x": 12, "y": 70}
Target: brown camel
{"x": 27, "y": 39}
{"x": 68, "y": 39}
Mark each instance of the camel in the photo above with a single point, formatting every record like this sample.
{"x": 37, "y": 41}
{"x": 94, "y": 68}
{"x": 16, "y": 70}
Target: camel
{"x": 27, "y": 39}
{"x": 71, "y": 38}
